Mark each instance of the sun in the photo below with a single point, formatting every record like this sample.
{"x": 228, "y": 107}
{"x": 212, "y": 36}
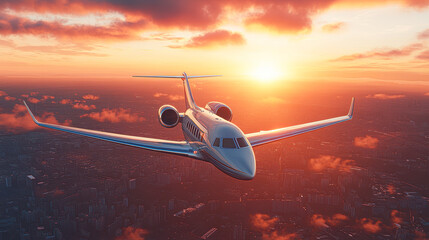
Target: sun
{"x": 266, "y": 73}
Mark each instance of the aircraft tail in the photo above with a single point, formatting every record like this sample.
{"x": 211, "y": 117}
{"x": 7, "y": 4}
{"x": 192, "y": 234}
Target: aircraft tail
{"x": 189, "y": 99}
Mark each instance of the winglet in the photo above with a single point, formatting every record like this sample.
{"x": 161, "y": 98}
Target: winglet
{"x": 352, "y": 105}
{"x": 31, "y": 114}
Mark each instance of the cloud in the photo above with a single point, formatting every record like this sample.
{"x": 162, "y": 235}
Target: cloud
{"x": 423, "y": 55}
{"x": 84, "y": 106}
{"x": 171, "y": 97}
{"x": 131, "y": 233}
{"x": 133, "y": 17}
{"x": 384, "y": 54}
{"x": 114, "y": 116}
{"x": 385, "y": 96}
{"x": 47, "y": 97}
{"x": 265, "y": 224}
{"x": 391, "y": 189}
{"x": 157, "y": 95}
{"x": 216, "y": 38}
{"x": 424, "y": 34}
{"x": 19, "y": 120}
{"x": 282, "y": 19}
{"x": 3, "y": 93}
{"x": 370, "y": 226}
{"x": 34, "y": 93}
{"x": 263, "y": 221}
{"x": 330, "y": 162}
{"x": 25, "y": 95}
{"x": 427, "y": 94}
{"x": 317, "y": 220}
{"x": 33, "y": 100}
{"x": 366, "y": 142}
{"x": 394, "y": 214}
{"x": 66, "y": 101}
{"x": 16, "y": 25}
{"x": 333, "y": 27}
{"x": 90, "y": 97}
{"x": 9, "y": 98}
{"x": 320, "y": 221}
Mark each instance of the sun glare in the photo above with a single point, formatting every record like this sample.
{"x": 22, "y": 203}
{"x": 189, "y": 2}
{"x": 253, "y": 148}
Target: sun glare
{"x": 266, "y": 73}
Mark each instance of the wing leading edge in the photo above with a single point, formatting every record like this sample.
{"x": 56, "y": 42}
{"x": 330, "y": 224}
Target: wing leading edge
{"x": 263, "y": 137}
{"x": 173, "y": 147}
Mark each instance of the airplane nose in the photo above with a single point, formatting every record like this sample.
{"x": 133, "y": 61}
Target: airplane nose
{"x": 247, "y": 168}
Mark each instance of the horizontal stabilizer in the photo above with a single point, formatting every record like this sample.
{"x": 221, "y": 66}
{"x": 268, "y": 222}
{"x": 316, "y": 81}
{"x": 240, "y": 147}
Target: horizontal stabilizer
{"x": 161, "y": 76}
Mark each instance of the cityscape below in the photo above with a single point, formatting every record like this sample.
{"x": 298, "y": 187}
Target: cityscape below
{"x": 362, "y": 179}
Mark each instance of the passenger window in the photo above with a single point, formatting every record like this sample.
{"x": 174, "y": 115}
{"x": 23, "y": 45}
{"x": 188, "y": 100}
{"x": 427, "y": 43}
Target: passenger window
{"x": 228, "y": 143}
{"x": 241, "y": 142}
{"x": 216, "y": 142}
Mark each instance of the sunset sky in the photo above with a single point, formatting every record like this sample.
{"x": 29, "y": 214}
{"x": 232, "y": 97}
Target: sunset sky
{"x": 259, "y": 40}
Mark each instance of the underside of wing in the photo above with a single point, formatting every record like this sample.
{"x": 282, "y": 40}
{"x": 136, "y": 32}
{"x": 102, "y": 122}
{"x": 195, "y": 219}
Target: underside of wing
{"x": 264, "y": 137}
{"x": 173, "y": 147}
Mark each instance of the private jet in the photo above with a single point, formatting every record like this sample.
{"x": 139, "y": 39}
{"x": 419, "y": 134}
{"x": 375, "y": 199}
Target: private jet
{"x": 209, "y": 134}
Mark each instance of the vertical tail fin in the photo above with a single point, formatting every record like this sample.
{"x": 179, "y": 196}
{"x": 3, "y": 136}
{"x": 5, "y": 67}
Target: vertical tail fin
{"x": 189, "y": 99}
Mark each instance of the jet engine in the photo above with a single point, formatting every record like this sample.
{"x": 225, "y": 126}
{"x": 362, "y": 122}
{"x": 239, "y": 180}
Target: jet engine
{"x": 168, "y": 116}
{"x": 220, "y": 109}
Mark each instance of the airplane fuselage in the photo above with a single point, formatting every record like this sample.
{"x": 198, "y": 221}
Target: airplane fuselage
{"x": 219, "y": 142}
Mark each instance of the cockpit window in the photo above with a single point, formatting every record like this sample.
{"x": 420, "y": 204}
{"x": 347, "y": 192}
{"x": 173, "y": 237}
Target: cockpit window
{"x": 216, "y": 142}
{"x": 228, "y": 143}
{"x": 241, "y": 142}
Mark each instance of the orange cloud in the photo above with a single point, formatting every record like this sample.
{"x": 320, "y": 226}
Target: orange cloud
{"x": 25, "y": 95}
{"x": 263, "y": 221}
{"x": 171, "y": 97}
{"x": 427, "y": 94}
{"x": 216, "y": 38}
{"x": 90, "y": 97}
{"x": 9, "y": 98}
{"x": 391, "y": 189}
{"x": 325, "y": 162}
{"x": 119, "y": 30}
{"x": 265, "y": 224}
{"x": 318, "y": 220}
{"x": 34, "y": 93}
{"x": 3, "y": 93}
{"x": 131, "y": 233}
{"x": 282, "y": 19}
{"x": 33, "y": 100}
{"x": 383, "y": 96}
{"x": 66, "y": 101}
{"x": 114, "y": 116}
{"x": 19, "y": 120}
{"x": 333, "y": 27}
{"x": 394, "y": 214}
{"x": 366, "y": 142}
{"x": 46, "y": 97}
{"x": 423, "y": 55}
{"x": 424, "y": 34}
{"x": 384, "y": 54}
{"x": 370, "y": 226}
{"x": 83, "y": 106}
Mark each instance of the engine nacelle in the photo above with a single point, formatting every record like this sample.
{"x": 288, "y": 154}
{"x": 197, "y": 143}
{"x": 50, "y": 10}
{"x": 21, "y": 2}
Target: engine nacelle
{"x": 220, "y": 109}
{"x": 168, "y": 116}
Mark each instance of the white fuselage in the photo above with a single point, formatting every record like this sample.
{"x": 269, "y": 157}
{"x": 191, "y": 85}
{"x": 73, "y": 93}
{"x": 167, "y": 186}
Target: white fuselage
{"x": 219, "y": 142}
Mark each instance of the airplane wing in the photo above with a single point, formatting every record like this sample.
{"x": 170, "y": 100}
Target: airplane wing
{"x": 173, "y": 147}
{"x": 263, "y": 137}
